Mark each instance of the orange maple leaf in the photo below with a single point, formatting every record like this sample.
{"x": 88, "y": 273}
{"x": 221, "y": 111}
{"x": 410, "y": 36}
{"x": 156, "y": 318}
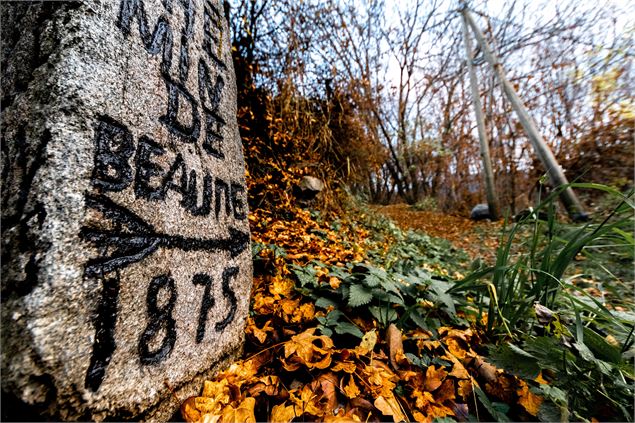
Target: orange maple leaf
{"x": 309, "y": 350}
{"x": 434, "y": 377}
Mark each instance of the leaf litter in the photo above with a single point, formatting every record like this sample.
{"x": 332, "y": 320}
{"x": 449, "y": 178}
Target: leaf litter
{"x": 295, "y": 372}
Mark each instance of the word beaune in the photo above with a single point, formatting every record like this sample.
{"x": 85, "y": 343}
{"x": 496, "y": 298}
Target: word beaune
{"x": 118, "y": 164}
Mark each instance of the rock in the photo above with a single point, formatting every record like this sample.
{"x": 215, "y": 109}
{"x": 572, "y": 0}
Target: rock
{"x": 581, "y": 217}
{"x": 309, "y": 188}
{"x": 311, "y": 183}
{"x": 126, "y": 267}
{"x": 480, "y": 212}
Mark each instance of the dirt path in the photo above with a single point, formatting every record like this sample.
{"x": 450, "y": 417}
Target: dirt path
{"x": 479, "y": 239}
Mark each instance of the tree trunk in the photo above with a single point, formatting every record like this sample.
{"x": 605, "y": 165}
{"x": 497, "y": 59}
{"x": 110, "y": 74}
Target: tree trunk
{"x": 556, "y": 175}
{"x": 488, "y": 174}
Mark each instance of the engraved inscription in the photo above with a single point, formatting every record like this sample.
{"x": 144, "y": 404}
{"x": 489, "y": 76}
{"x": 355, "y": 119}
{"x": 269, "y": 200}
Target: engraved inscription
{"x": 213, "y": 32}
{"x": 105, "y": 343}
{"x": 115, "y": 149}
{"x": 210, "y": 87}
{"x": 228, "y": 275}
{"x": 206, "y": 304}
{"x": 159, "y": 40}
{"x": 159, "y": 317}
{"x": 153, "y": 171}
{"x": 17, "y": 182}
{"x": 179, "y": 96}
{"x": 140, "y": 239}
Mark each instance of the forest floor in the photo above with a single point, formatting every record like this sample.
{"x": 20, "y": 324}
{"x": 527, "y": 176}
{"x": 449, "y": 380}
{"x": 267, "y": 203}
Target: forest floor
{"x": 478, "y": 238}
{"x": 355, "y": 318}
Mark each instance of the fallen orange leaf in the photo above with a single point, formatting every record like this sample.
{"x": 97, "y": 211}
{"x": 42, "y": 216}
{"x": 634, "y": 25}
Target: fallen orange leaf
{"x": 428, "y": 344}
{"x": 307, "y": 402}
{"x": 260, "y": 334}
{"x": 528, "y": 399}
{"x": 422, "y": 398}
{"x": 268, "y": 384}
{"x": 208, "y": 405}
{"x": 346, "y": 366}
{"x": 288, "y": 308}
{"x": 368, "y": 343}
{"x": 350, "y": 389}
{"x": 309, "y": 350}
{"x": 541, "y": 379}
{"x": 458, "y": 369}
{"x": 281, "y": 287}
{"x": 395, "y": 344}
{"x": 210, "y": 418}
{"x": 304, "y": 313}
{"x": 380, "y": 377}
{"x": 419, "y": 417}
{"x": 189, "y": 411}
{"x": 455, "y": 348}
{"x": 390, "y": 407}
{"x": 465, "y": 388}
{"x": 244, "y": 413}
{"x": 463, "y": 334}
{"x": 324, "y": 387}
{"x": 283, "y": 413}
{"x": 434, "y": 377}
{"x": 342, "y": 417}
{"x": 334, "y": 282}
{"x": 438, "y": 410}
{"x": 445, "y": 392}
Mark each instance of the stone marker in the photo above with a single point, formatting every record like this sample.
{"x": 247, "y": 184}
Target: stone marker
{"x": 126, "y": 267}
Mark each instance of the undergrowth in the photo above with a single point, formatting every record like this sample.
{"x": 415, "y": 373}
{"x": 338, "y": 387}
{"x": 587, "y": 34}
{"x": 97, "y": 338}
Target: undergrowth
{"x": 355, "y": 319}
{"x": 542, "y": 322}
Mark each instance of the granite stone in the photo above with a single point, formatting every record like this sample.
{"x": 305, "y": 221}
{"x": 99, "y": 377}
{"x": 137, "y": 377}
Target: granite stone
{"x": 126, "y": 260}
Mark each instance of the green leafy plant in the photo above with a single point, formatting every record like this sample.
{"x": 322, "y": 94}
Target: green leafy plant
{"x": 533, "y": 270}
{"x": 369, "y": 291}
{"x": 426, "y": 204}
{"x": 409, "y": 250}
{"x": 397, "y": 284}
{"x": 541, "y": 321}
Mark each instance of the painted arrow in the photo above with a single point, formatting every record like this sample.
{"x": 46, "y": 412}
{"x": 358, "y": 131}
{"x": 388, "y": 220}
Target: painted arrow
{"x": 141, "y": 239}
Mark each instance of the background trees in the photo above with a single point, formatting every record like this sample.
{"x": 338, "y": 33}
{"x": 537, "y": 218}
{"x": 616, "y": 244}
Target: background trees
{"x": 376, "y": 95}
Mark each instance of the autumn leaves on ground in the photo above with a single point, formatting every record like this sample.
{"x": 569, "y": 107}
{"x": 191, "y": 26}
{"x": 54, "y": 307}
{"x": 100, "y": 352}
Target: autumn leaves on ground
{"x": 292, "y": 370}
{"x": 478, "y": 239}
{"x": 351, "y": 320}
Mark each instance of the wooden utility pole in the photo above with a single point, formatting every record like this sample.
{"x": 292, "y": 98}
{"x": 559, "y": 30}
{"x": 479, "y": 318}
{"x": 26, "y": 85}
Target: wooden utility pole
{"x": 488, "y": 174}
{"x": 556, "y": 175}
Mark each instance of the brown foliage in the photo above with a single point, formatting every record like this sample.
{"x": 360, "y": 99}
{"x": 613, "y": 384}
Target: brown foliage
{"x": 290, "y": 373}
